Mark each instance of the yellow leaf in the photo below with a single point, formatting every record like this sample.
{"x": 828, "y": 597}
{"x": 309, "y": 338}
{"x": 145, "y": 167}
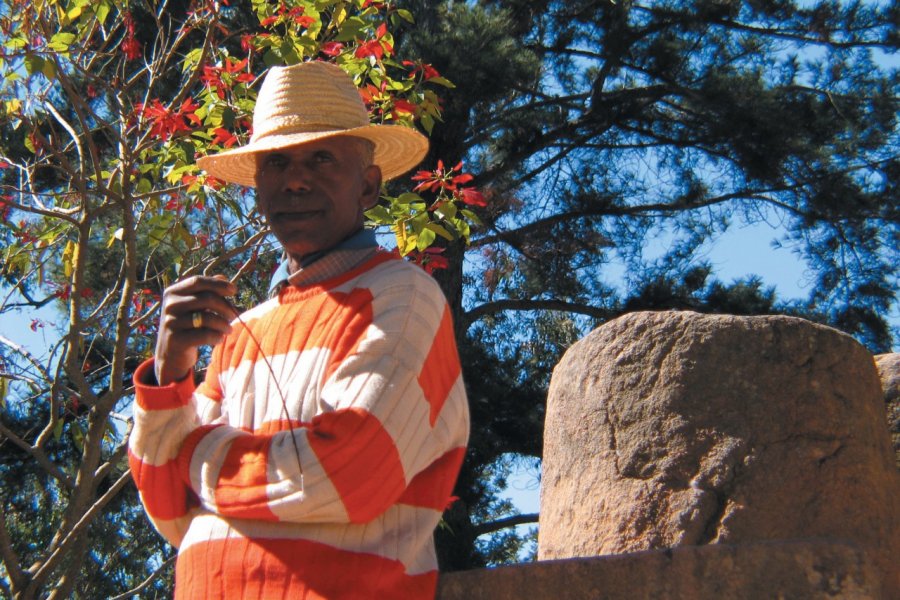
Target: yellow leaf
{"x": 69, "y": 255}
{"x": 117, "y": 235}
{"x": 12, "y": 107}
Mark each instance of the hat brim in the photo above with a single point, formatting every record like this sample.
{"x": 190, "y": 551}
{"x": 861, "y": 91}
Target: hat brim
{"x": 397, "y": 150}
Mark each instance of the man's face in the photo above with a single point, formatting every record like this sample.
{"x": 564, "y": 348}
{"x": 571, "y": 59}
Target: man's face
{"x": 313, "y": 196}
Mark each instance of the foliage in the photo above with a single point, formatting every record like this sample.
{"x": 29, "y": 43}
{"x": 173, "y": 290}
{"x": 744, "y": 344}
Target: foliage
{"x": 105, "y": 106}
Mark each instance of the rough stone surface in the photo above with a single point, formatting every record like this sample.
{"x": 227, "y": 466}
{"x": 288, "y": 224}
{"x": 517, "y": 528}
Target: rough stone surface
{"x": 674, "y": 428}
{"x": 811, "y": 569}
{"x": 889, "y": 370}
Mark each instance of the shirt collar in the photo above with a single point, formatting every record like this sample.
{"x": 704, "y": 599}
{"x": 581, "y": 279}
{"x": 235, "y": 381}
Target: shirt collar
{"x": 326, "y": 263}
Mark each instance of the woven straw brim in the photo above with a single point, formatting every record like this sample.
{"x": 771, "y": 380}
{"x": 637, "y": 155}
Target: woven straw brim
{"x": 397, "y": 150}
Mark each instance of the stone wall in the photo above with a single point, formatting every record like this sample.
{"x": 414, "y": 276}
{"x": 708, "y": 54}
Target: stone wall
{"x": 807, "y": 570}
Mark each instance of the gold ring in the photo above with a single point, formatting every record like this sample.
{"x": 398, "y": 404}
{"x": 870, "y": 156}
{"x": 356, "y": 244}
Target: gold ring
{"x": 197, "y": 319}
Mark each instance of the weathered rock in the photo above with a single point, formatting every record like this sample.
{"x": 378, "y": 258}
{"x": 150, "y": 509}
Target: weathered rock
{"x": 812, "y": 569}
{"x": 889, "y": 370}
{"x": 674, "y": 428}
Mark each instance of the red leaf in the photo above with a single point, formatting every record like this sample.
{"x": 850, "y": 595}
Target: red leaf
{"x": 332, "y": 48}
{"x": 371, "y": 48}
{"x": 404, "y": 106}
{"x": 463, "y": 178}
{"x": 472, "y": 197}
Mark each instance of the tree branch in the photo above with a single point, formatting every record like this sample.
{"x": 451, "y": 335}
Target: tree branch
{"x": 144, "y": 584}
{"x": 59, "y": 552}
{"x": 488, "y": 308}
{"x": 492, "y": 526}
{"x": 17, "y": 575}
{"x": 37, "y": 453}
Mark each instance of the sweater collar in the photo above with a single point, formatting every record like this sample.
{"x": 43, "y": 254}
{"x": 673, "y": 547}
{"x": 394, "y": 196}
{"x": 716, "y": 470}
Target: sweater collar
{"x": 326, "y": 264}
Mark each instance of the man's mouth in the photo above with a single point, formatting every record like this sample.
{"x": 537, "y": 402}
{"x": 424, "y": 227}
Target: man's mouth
{"x": 299, "y": 215}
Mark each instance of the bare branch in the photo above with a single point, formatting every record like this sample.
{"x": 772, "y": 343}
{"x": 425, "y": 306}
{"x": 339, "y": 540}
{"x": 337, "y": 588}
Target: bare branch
{"x": 146, "y": 583}
{"x": 513, "y": 521}
{"x": 525, "y": 304}
{"x": 10, "y": 559}
{"x": 73, "y": 534}
{"x": 38, "y": 454}
{"x": 68, "y": 127}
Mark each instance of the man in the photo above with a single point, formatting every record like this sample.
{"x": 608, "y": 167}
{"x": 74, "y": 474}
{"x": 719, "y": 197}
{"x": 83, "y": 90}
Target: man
{"x": 317, "y": 456}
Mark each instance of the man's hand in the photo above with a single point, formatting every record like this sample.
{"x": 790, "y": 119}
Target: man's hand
{"x": 194, "y": 313}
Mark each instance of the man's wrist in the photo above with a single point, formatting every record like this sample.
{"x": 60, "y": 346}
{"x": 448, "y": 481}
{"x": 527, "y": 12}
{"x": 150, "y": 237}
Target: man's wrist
{"x": 161, "y": 378}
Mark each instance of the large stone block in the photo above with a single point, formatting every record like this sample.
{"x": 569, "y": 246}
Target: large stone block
{"x": 808, "y": 570}
{"x": 674, "y": 428}
{"x": 889, "y": 370}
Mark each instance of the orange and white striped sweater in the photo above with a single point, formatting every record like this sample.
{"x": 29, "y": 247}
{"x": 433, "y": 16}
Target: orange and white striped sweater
{"x": 369, "y": 369}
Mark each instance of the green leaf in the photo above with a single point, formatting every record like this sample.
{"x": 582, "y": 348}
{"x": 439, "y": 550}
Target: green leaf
{"x": 143, "y": 185}
{"x": 407, "y": 198}
{"x": 441, "y": 232}
{"x": 192, "y": 59}
{"x": 49, "y": 69}
{"x": 61, "y": 41}
{"x": 427, "y": 122}
{"x": 17, "y": 42}
{"x": 425, "y": 238}
{"x": 350, "y": 30}
{"x": 472, "y": 217}
{"x": 102, "y": 11}
{"x": 77, "y": 436}
{"x": 442, "y": 81}
{"x": 183, "y": 234}
{"x": 73, "y": 13}
{"x": 446, "y": 211}
{"x": 380, "y": 215}
{"x": 405, "y": 15}
{"x": 33, "y": 64}
{"x": 271, "y": 58}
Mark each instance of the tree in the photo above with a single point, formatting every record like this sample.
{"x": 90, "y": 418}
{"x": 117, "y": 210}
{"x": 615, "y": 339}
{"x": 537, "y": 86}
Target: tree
{"x": 614, "y": 137}
{"x": 592, "y": 130}
{"x": 104, "y": 107}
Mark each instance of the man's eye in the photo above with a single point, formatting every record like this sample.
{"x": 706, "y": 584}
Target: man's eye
{"x": 274, "y": 160}
{"x": 322, "y": 157}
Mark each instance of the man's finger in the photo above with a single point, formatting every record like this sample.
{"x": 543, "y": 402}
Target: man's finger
{"x": 183, "y": 303}
{"x": 202, "y": 319}
{"x": 202, "y": 283}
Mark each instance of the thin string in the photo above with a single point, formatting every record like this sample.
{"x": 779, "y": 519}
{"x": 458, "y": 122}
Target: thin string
{"x": 281, "y": 395}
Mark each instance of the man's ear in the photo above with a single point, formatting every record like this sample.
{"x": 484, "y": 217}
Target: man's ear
{"x": 371, "y": 187}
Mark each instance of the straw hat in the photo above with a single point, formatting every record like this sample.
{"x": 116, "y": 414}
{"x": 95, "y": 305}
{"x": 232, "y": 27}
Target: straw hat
{"x": 307, "y": 102}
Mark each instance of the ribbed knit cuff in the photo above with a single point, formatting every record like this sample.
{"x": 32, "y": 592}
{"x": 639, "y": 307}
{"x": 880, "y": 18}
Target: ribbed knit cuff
{"x": 161, "y": 397}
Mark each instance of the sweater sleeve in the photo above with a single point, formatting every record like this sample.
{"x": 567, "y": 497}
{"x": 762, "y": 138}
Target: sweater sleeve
{"x": 163, "y": 417}
{"x": 394, "y": 419}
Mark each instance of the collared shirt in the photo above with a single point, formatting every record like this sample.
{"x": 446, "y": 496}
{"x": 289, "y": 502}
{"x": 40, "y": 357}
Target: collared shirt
{"x": 326, "y": 264}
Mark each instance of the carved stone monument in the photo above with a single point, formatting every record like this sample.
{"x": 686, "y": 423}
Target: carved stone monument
{"x": 673, "y": 429}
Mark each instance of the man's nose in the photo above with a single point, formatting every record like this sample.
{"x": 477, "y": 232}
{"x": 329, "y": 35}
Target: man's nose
{"x": 297, "y": 177}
